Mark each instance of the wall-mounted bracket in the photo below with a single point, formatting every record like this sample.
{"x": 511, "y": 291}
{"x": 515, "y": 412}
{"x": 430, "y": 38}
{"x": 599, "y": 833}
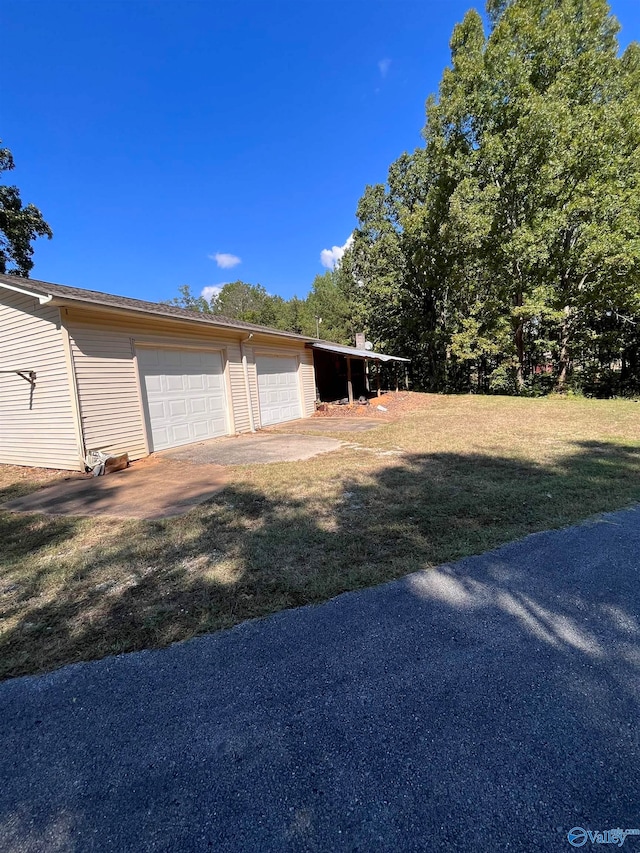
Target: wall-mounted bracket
{"x": 28, "y": 375}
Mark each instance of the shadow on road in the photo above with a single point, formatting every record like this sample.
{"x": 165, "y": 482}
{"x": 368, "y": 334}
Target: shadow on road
{"x": 479, "y": 705}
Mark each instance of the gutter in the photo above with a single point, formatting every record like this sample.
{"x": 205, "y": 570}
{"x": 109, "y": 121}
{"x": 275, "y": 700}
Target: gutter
{"x": 42, "y": 299}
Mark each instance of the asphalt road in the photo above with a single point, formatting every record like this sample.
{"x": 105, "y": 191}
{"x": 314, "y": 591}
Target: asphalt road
{"x": 489, "y": 705}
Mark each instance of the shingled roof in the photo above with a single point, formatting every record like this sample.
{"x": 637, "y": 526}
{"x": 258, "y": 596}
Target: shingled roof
{"x": 77, "y": 295}
{"x": 110, "y": 300}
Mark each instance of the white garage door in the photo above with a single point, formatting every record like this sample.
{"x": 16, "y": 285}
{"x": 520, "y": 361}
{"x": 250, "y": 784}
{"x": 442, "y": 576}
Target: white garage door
{"x": 185, "y": 395}
{"x": 278, "y": 389}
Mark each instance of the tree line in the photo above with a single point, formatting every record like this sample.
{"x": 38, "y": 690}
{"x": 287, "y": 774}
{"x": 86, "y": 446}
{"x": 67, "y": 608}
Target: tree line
{"x": 325, "y": 312}
{"x": 507, "y": 249}
{"x": 503, "y": 254}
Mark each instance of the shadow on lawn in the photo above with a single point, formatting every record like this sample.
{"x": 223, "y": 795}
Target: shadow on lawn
{"x": 247, "y": 553}
{"x": 22, "y": 536}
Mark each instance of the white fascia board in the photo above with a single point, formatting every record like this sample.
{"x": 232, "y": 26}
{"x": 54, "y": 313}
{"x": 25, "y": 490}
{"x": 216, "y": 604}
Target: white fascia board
{"x": 42, "y": 299}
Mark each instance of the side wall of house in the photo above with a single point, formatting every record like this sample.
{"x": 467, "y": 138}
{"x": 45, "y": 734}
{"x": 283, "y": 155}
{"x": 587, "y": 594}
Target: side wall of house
{"x": 110, "y": 398}
{"x": 37, "y": 423}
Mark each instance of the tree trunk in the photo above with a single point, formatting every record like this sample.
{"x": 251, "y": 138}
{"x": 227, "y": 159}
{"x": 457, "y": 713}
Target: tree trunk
{"x": 482, "y": 371}
{"x": 565, "y": 355}
{"x": 519, "y": 341}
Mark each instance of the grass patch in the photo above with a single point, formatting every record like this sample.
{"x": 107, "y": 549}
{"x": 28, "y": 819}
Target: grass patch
{"x": 455, "y": 476}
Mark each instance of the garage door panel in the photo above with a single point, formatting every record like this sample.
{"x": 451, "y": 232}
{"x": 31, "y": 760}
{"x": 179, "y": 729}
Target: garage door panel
{"x": 174, "y": 383}
{"x": 196, "y": 383}
{"x": 278, "y": 389}
{"x": 185, "y": 395}
{"x": 179, "y": 434}
{"x": 177, "y": 408}
{"x": 201, "y": 428}
{"x": 160, "y": 438}
{"x": 154, "y": 383}
{"x": 156, "y": 410}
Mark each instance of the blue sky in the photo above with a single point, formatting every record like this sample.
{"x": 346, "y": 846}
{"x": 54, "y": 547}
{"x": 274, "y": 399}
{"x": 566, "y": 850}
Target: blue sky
{"x": 164, "y": 141}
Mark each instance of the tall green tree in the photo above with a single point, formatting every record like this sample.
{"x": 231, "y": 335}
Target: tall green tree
{"x": 293, "y": 315}
{"x": 328, "y": 310}
{"x": 241, "y": 301}
{"x": 20, "y": 225}
{"x": 503, "y": 242}
{"x": 187, "y": 299}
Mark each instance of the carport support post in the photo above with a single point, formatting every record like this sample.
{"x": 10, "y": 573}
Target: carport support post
{"x": 406, "y": 377}
{"x": 349, "y": 382}
{"x": 395, "y": 370}
{"x": 378, "y": 377}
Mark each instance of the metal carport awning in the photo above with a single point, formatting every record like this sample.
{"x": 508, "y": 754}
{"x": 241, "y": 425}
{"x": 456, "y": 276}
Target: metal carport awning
{"x": 361, "y": 355}
{"x": 352, "y": 352}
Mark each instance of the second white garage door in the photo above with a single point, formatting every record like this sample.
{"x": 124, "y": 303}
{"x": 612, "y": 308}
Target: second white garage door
{"x": 278, "y": 389}
{"x": 185, "y": 394}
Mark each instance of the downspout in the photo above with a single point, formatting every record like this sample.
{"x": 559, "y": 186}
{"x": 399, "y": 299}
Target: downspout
{"x": 75, "y": 397}
{"x": 247, "y": 387}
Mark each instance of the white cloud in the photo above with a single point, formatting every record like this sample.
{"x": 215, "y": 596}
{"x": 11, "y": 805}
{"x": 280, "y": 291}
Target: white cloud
{"x": 225, "y": 261}
{"x": 211, "y": 291}
{"x": 384, "y": 65}
{"x": 330, "y": 258}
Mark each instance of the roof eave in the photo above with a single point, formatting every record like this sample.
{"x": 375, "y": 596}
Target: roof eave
{"x": 67, "y": 302}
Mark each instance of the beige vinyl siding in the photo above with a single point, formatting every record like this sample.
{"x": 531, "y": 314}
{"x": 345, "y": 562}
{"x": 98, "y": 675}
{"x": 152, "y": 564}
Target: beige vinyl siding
{"x": 37, "y": 426}
{"x": 253, "y": 384}
{"x": 239, "y": 400}
{"x": 108, "y": 396}
{"x": 103, "y": 346}
{"x": 308, "y": 377}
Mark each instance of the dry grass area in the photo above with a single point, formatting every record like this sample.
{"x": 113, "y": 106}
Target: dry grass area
{"x": 453, "y": 476}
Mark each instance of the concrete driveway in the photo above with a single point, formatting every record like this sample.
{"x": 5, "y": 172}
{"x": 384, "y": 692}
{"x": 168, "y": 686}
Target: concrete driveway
{"x": 330, "y": 425}
{"x": 257, "y": 449}
{"x": 488, "y": 705}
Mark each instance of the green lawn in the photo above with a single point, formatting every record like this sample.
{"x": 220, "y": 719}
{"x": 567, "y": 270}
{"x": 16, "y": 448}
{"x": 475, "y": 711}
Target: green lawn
{"x": 455, "y": 476}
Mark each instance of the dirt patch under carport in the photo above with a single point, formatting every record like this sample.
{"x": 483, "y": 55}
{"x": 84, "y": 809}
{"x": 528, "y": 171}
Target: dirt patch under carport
{"x": 390, "y": 406}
